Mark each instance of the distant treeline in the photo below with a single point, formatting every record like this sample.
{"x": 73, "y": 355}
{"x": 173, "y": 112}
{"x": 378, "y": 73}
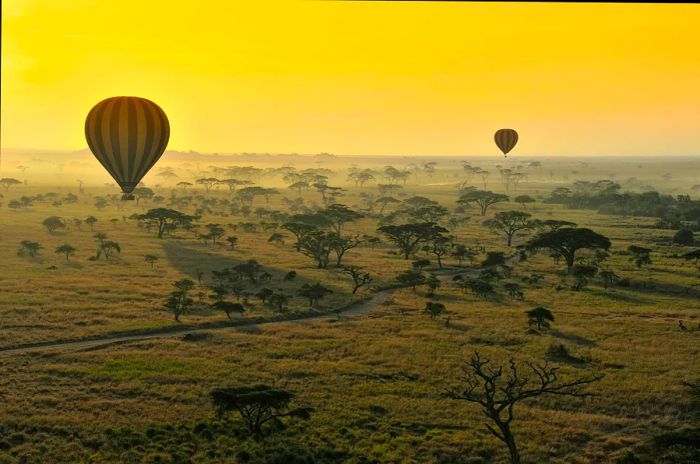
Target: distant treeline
{"x": 605, "y": 197}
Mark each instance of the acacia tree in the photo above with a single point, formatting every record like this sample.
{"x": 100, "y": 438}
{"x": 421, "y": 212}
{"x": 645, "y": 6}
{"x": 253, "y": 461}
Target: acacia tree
{"x": 314, "y": 293}
{"x": 264, "y": 294}
{"x": 384, "y": 201}
{"x": 165, "y": 219}
{"x": 583, "y": 273}
{"x": 360, "y": 278}
{"x": 302, "y": 224}
{"x": 640, "y": 255}
{"x": 29, "y": 248}
{"x": 480, "y": 288}
{"x": 498, "y": 392}
{"x": 408, "y": 237}
{"x": 609, "y": 278}
{"x": 434, "y": 309}
{"x": 143, "y": 193}
{"x": 276, "y": 238}
{"x": 433, "y": 283}
{"x": 318, "y": 245}
{"x": 232, "y": 184}
{"x": 214, "y": 232}
{"x": 462, "y": 252}
{"x": 411, "y": 278}
{"x": 565, "y": 242}
{"x": 65, "y": 249}
{"x": 91, "y": 220}
{"x": 257, "y": 405}
{"x": 208, "y": 182}
{"x": 439, "y": 246}
{"x": 179, "y": 301}
{"x": 232, "y": 241}
{"x": 228, "y": 307}
{"x": 510, "y": 223}
{"x": 108, "y": 248}
{"x": 279, "y": 300}
{"x": 342, "y": 244}
{"x": 8, "y": 182}
{"x": 514, "y": 291}
{"x": 483, "y": 198}
{"x": 53, "y": 223}
{"x": 247, "y": 195}
{"x": 524, "y": 200}
{"x": 338, "y": 215}
{"x": 299, "y": 186}
{"x": 539, "y": 316}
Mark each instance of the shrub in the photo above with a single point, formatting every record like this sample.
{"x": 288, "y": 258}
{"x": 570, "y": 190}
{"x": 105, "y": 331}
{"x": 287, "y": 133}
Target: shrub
{"x": 684, "y": 237}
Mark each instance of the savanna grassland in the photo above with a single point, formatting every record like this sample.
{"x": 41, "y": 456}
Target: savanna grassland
{"x": 378, "y": 381}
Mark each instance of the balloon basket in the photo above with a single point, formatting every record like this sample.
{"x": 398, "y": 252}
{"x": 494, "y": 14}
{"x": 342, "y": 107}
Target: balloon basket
{"x": 128, "y": 196}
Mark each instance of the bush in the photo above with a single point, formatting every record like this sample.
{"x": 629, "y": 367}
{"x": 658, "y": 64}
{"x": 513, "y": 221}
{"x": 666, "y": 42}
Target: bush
{"x": 684, "y": 237}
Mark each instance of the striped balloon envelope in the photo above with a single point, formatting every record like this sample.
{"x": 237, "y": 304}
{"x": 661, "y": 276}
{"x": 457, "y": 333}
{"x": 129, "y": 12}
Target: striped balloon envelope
{"x": 506, "y": 140}
{"x": 127, "y": 135}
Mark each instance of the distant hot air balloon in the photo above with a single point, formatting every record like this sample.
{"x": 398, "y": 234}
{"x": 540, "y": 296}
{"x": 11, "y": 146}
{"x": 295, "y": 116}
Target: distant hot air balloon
{"x": 506, "y": 140}
{"x": 127, "y": 135}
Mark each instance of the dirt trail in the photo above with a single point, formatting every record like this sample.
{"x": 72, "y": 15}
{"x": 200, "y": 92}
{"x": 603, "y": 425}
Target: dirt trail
{"x": 362, "y": 307}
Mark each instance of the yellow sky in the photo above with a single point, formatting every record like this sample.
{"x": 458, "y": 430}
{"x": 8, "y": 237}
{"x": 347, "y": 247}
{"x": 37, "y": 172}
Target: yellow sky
{"x": 359, "y": 77}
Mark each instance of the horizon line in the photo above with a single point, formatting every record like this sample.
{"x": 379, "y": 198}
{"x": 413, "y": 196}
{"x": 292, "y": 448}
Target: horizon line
{"x": 354, "y": 155}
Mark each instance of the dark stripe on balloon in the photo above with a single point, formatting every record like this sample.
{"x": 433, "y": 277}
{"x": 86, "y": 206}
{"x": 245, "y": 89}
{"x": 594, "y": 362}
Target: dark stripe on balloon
{"x": 149, "y": 133}
{"x": 132, "y": 135}
{"x": 115, "y": 146}
{"x": 97, "y": 121}
{"x": 164, "y": 134}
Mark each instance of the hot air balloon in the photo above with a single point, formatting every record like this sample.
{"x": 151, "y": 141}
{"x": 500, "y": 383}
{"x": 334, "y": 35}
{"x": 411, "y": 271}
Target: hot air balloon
{"x": 506, "y": 140}
{"x": 127, "y": 135}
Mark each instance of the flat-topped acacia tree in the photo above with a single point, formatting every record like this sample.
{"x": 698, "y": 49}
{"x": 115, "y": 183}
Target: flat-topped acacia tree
{"x": 66, "y": 250}
{"x": 314, "y": 293}
{"x": 565, "y": 242}
{"x": 540, "y": 316}
{"x": 257, "y": 405}
{"x": 640, "y": 255}
{"x": 165, "y": 219}
{"x": 8, "y": 182}
{"x": 409, "y": 237}
{"x": 484, "y": 198}
{"x": 91, "y": 220}
{"x": 29, "y": 248}
{"x": 337, "y": 215}
{"x": 510, "y": 223}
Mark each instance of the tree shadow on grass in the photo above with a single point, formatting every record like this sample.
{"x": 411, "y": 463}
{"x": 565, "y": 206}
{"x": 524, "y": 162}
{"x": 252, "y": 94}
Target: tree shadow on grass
{"x": 191, "y": 260}
{"x": 622, "y": 296}
{"x": 666, "y": 289}
{"x": 572, "y": 338}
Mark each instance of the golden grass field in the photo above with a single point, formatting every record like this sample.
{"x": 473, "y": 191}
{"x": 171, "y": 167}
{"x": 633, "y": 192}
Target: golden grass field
{"x": 377, "y": 381}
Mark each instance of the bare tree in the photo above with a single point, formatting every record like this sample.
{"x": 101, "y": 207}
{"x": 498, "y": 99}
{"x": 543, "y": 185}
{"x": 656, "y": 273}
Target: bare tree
{"x": 497, "y": 392}
{"x": 359, "y": 277}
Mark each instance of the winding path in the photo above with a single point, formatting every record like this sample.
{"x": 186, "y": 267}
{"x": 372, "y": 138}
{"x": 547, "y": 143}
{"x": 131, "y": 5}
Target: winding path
{"x": 357, "y": 309}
